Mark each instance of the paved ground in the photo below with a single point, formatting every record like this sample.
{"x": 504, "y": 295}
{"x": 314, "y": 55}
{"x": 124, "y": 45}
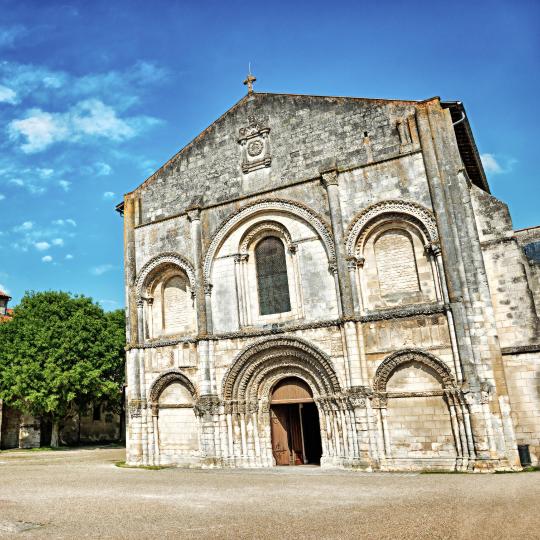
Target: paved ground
{"x": 82, "y": 494}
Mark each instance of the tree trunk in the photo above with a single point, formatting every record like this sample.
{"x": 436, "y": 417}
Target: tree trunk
{"x": 54, "y": 434}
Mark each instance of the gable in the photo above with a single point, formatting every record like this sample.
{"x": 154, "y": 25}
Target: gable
{"x": 303, "y": 134}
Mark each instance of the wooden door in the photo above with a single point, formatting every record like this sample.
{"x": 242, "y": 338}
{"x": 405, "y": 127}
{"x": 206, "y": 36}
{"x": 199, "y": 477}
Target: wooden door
{"x": 280, "y": 443}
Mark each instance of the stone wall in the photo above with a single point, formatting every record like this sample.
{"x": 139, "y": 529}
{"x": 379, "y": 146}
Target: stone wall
{"x": 523, "y": 374}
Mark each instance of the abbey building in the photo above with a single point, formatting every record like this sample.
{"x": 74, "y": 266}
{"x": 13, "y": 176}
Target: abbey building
{"x": 328, "y": 280}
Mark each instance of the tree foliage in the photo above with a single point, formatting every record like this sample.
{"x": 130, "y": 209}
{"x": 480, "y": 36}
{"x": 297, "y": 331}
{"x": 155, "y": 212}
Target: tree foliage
{"x": 59, "y": 353}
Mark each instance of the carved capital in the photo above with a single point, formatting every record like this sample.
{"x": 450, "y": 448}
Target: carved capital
{"x": 206, "y": 405}
{"x": 332, "y": 266}
{"x": 379, "y": 401}
{"x": 241, "y": 257}
{"x": 208, "y": 289}
{"x": 329, "y": 178}
{"x": 135, "y": 408}
{"x": 194, "y": 214}
{"x": 352, "y": 263}
{"x": 358, "y": 396}
{"x": 433, "y": 249}
{"x": 293, "y": 248}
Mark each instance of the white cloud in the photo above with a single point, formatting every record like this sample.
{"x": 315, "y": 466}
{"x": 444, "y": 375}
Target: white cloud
{"x": 44, "y": 173}
{"x": 28, "y": 235}
{"x": 102, "y": 269}
{"x": 8, "y": 35}
{"x": 4, "y": 288}
{"x": 497, "y": 165}
{"x": 42, "y": 246}
{"x": 62, "y": 222}
{"x": 490, "y": 164}
{"x": 102, "y": 169}
{"x": 108, "y": 195}
{"x": 2, "y": 196}
{"x": 35, "y": 180}
{"x": 64, "y": 184}
{"x": 86, "y": 120}
{"x": 40, "y": 129}
{"x": 47, "y": 258}
{"x": 121, "y": 88}
{"x": 69, "y": 256}
{"x": 25, "y": 226}
{"x": 7, "y": 95}
{"x": 29, "y": 79}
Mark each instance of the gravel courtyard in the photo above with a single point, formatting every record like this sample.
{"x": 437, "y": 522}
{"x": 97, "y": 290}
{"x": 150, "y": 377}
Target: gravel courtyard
{"x": 82, "y": 494}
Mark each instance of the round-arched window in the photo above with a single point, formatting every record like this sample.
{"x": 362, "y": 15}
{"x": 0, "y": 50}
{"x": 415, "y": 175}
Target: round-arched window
{"x": 272, "y": 281}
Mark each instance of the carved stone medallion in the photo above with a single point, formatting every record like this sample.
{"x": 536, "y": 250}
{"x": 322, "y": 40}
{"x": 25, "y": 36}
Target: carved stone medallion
{"x": 255, "y": 145}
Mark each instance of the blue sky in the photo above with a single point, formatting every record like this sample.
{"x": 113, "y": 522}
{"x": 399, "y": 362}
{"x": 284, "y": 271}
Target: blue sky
{"x": 96, "y": 95}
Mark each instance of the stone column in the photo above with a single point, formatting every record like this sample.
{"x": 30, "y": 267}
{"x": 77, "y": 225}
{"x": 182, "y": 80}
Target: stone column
{"x": 352, "y": 265}
{"x": 194, "y": 217}
{"x": 208, "y": 303}
{"x": 330, "y": 182}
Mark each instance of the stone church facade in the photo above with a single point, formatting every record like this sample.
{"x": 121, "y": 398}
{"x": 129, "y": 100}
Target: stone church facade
{"x": 329, "y": 280}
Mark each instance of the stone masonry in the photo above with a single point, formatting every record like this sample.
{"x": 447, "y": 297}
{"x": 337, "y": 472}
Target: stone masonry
{"x": 411, "y": 311}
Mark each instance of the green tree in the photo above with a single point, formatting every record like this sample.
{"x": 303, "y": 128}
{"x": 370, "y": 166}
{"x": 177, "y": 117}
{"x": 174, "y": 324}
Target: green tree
{"x": 59, "y": 353}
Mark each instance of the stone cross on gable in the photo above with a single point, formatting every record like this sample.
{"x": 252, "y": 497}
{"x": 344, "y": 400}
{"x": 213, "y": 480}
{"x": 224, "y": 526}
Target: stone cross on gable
{"x": 250, "y": 79}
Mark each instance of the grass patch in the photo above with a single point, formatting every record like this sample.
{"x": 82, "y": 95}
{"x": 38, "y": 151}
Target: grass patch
{"x": 124, "y": 465}
{"x": 39, "y": 449}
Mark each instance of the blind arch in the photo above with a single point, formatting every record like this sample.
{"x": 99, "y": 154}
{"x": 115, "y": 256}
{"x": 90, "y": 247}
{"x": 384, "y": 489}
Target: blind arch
{"x": 176, "y": 304}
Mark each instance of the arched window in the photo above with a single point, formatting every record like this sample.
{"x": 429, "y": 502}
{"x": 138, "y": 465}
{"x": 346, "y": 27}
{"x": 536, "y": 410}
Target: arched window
{"x": 272, "y": 282}
{"x": 176, "y": 304}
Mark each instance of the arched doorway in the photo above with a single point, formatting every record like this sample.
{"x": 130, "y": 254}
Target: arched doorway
{"x": 295, "y": 428}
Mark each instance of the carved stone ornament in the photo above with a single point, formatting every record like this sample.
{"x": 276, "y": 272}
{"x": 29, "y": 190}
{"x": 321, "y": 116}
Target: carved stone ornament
{"x": 255, "y": 146}
{"x": 408, "y": 134}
